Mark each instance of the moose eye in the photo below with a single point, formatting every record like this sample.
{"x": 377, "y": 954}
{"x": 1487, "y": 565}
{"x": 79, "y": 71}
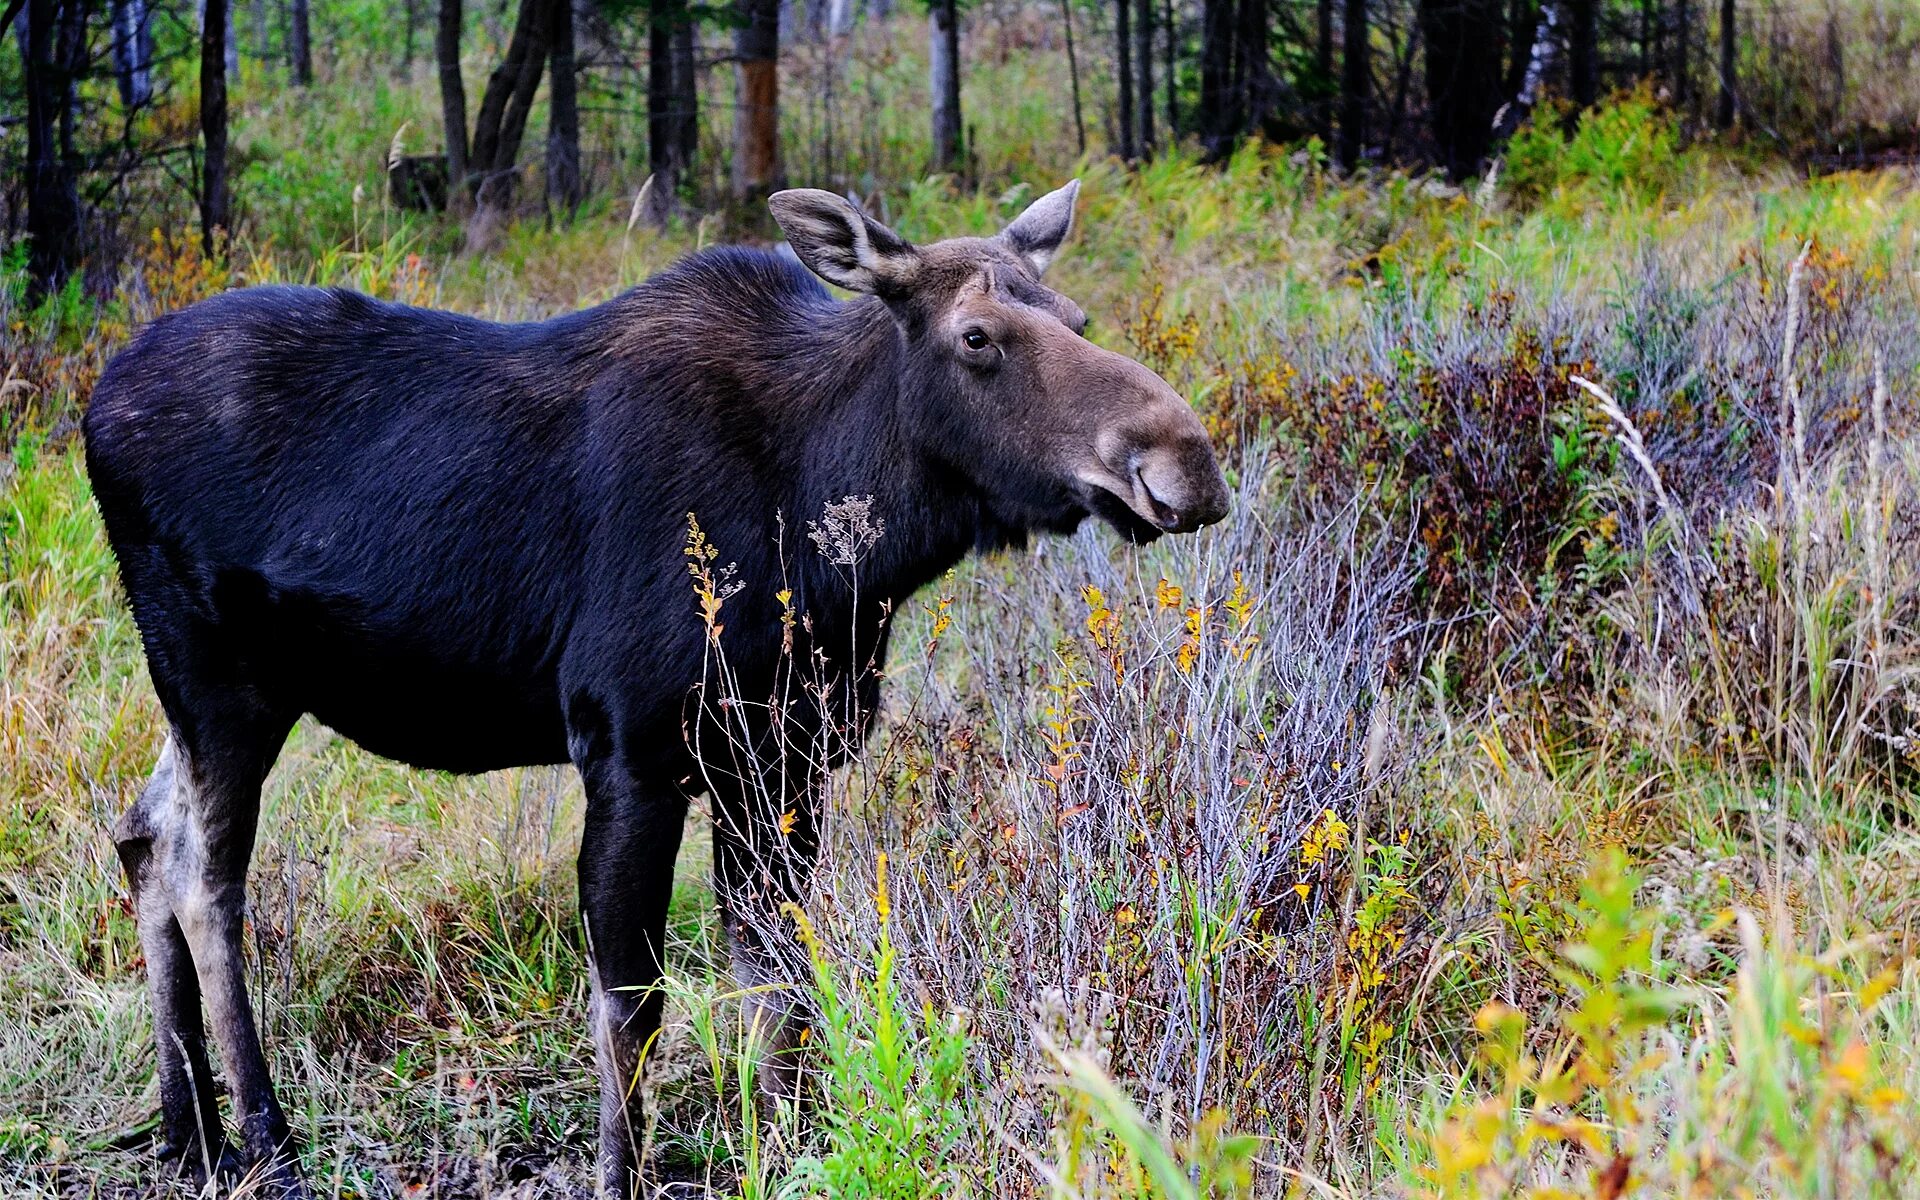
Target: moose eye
{"x": 976, "y": 340}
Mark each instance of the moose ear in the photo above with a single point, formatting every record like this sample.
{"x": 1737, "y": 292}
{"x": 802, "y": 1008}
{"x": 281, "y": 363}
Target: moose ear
{"x": 1037, "y": 233}
{"x": 838, "y": 242}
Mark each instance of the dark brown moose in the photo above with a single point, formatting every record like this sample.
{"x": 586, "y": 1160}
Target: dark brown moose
{"x": 461, "y": 545}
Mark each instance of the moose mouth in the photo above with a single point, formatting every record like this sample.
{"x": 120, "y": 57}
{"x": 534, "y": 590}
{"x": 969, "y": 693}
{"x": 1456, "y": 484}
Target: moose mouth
{"x": 1120, "y": 514}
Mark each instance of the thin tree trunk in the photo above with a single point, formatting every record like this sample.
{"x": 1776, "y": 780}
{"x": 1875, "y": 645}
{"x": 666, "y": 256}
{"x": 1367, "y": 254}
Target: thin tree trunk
{"x": 406, "y": 41}
{"x": 502, "y": 120}
{"x": 1143, "y": 23}
{"x": 1073, "y": 77}
{"x": 72, "y": 52}
{"x": 214, "y": 214}
{"x": 563, "y": 114}
{"x": 299, "y": 42}
{"x": 943, "y": 83}
{"x": 1727, "y": 82}
{"x": 672, "y": 103}
{"x": 453, "y": 94}
{"x": 663, "y": 149}
{"x": 1323, "y": 71}
{"x": 263, "y": 29}
{"x": 1172, "y": 44}
{"x": 1583, "y": 51}
{"x": 1123, "y": 47}
{"x": 1220, "y": 120}
{"x": 1836, "y": 72}
{"x": 53, "y": 202}
{"x": 1645, "y": 39}
{"x": 756, "y": 154}
{"x": 1683, "y": 56}
{"x": 1523, "y": 18}
{"x": 1259, "y": 91}
{"x": 686, "y": 90}
{"x": 1355, "y": 82}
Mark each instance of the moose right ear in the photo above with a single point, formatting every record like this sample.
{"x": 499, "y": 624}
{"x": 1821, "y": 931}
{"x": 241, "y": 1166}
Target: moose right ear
{"x": 838, "y": 242}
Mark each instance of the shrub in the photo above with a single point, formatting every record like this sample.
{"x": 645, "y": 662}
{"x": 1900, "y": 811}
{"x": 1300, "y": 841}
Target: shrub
{"x": 1626, "y": 147}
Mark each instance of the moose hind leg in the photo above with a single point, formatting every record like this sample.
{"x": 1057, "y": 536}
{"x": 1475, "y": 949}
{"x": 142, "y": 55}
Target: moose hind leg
{"x": 201, "y": 854}
{"x": 189, "y": 1111}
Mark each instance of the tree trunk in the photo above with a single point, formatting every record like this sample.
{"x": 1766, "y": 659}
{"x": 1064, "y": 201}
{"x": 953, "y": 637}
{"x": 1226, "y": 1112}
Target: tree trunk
{"x": 1533, "y": 79}
{"x": 53, "y": 202}
{"x": 686, "y": 89}
{"x": 1123, "y": 51}
{"x": 133, "y": 51}
{"x": 1220, "y": 120}
{"x": 502, "y": 120}
{"x": 1143, "y": 23}
{"x": 1463, "y": 79}
{"x": 672, "y": 103}
{"x": 563, "y": 113}
{"x": 1583, "y": 51}
{"x": 71, "y": 52}
{"x": 406, "y": 41}
{"x": 232, "y": 50}
{"x": 756, "y": 123}
{"x": 299, "y": 42}
{"x": 1727, "y": 63}
{"x": 1355, "y": 83}
{"x": 453, "y": 94}
{"x": 1836, "y": 73}
{"x": 1259, "y": 90}
{"x": 1073, "y": 77}
{"x": 214, "y": 214}
{"x": 663, "y": 147}
{"x": 1683, "y": 57}
{"x": 1171, "y": 43}
{"x": 1323, "y": 84}
{"x": 943, "y": 83}
{"x": 263, "y": 30}
{"x": 1523, "y": 18}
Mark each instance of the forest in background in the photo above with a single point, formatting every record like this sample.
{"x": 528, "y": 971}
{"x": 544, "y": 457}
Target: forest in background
{"x": 118, "y": 112}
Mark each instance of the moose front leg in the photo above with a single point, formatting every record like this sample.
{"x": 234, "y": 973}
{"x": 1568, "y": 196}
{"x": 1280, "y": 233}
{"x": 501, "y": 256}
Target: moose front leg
{"x": 627, "y": 852}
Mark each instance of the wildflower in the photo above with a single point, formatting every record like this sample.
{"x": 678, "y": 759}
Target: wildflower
{"x": 847, "y": 530}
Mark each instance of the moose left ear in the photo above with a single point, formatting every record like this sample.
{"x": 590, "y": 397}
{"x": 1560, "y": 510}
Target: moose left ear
{"x": 1037, "y": 233}
{"x": 839, "y": 243}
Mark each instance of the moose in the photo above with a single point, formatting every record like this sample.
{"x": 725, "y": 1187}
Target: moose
{"x": 462, "y": 545}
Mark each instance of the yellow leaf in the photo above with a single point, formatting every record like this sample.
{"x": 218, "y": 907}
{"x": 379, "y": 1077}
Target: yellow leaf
{"x": 1877, "y": 988}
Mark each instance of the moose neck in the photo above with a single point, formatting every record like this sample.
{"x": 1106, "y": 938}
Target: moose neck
{"x": 850, "y": 420}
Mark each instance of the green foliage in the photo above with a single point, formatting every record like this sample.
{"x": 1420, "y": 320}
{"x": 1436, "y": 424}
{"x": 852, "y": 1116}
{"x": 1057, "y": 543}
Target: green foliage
{"x": 1627, "y": 147}
{"x": 892, "y": 1112}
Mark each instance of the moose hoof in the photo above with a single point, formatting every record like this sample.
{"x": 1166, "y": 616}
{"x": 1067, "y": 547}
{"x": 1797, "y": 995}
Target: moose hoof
{"x": 187, "y": 1161}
